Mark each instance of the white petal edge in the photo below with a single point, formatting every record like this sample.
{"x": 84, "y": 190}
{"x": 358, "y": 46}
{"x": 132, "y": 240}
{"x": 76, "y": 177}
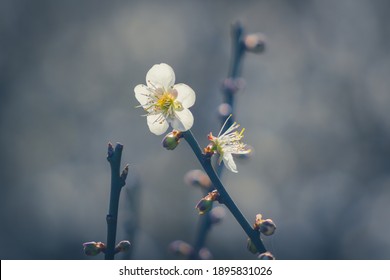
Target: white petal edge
{"x": 185, "y": 95}
{"x": 141, "y": 93}
{"x": 229, "y": 162}
{"x": 183, "y": 121}
{"x": 157, "y": 124}
{"x": 160, "y": 75}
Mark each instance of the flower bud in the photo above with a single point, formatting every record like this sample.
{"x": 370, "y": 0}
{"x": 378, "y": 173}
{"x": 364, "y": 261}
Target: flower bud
{"x": 225, "y": 110}
{"x": 204, "y": 206}
{"x": 197, "y": 177}
{"x": 255, "y": 43}
{"x": 251, "y": 246}
{"x": 205, "y": 254}
{"x": 206, "y": 203}
{"x": 266, "y": 256}
{"x": 259, "y": 220}
{"x": 93, "y": 248}
{"x": 123, "y": 246}
{"x": 267, "y": 227}
{"x": 172, "y": 140}
{"x": 181, "y": 248}
{"x": 125, "y": 172}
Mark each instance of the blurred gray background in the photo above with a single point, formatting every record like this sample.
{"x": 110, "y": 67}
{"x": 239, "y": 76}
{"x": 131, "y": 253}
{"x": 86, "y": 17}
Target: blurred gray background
{"x": 315, "y": 106}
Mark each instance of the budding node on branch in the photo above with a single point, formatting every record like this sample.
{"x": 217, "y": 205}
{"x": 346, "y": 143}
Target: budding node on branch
{"x": 266, "y": 256}
{"x": 206, "y": 203}
{"x": 254, "y": 43}
{"x": 266, "y": 227}
{"x": 172, "y": 139}
{"x": 93, "y": 248}
{"x": 122, "y": 246}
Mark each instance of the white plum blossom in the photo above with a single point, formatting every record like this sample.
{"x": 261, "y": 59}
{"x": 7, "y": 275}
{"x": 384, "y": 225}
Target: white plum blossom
{"x": 165, "y": 102}
{"x": 227, "y": 144}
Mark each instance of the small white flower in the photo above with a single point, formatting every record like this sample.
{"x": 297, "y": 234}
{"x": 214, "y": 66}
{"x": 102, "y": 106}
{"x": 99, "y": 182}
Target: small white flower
{"x": 227, "y": 144}
{"x": 165, "y": 102}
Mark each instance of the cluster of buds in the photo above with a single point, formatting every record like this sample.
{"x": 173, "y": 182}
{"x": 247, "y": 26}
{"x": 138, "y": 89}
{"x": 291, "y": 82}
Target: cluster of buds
{"x": 266, "y": 227}
{"x": 172, "y": 139}
{"x": 95, "y": 248}
{"x": 206, "y": 203}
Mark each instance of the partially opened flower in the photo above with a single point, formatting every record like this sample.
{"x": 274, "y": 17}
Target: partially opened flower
{"x": 227, "y": 144}
{"x": 165, "y": 102}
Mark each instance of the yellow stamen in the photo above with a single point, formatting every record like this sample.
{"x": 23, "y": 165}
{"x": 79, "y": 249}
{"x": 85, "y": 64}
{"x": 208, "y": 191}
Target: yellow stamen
{"x": 165, "y": 101}
{"x": 242, "y": 132}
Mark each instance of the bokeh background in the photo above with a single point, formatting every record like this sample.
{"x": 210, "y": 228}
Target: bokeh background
{"x": 315, "y": 106}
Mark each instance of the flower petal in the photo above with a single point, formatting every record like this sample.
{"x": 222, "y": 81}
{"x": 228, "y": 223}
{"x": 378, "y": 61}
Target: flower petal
{"x": 142, "y": 95}
{"x": 185, "y": 95}
{"x": 160, "y": 75}
{"x": 183, "y": 121}
{"x": 157, "y": 124}
{"x": 229, "y": 162}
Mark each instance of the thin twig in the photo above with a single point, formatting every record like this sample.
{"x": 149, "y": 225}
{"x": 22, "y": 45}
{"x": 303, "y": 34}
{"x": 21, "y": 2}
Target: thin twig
{"x": 118, "y": 180}
{"x": 225, "y": 198}
{"x": 238, "y": 49}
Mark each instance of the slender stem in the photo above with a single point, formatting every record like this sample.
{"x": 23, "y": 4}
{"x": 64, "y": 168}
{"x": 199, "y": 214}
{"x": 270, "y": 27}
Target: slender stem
{"x": 224, "y": 195}
{"x": 238, "y": 50}
{"x": 117, "y": 182}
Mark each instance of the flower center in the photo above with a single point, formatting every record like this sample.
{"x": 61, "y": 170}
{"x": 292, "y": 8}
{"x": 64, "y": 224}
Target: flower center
{"x": 167, "y": 104}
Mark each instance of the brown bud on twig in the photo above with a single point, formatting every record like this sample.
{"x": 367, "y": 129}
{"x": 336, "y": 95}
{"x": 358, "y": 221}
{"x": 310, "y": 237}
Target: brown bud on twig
{"x": 122, "y": 246}
{"x": 172, "y": 140}
{"x": 124, "y": 173}
{"x": 206, "y": 203}
{"x": 266, "y": 256}
{"x": 110, "y": 150}
{"x": 93, "y": 248}
{"x": 266, "y": 227}
{"x": 254, "y": 43}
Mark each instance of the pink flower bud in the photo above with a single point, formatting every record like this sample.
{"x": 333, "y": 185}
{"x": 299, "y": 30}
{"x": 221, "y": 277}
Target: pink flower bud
{"x": 93, "y": 248}
{"x": 266, "y": 256}
{"x": 255, "y": 43}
